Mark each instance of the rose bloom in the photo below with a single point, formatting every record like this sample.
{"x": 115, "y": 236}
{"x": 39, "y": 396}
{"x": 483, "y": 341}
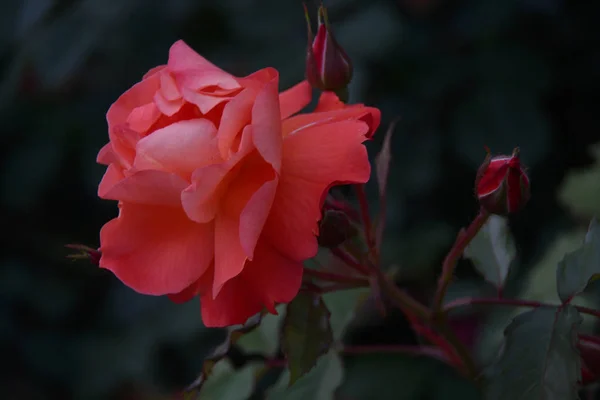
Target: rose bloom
{"x": 220, "y": 185}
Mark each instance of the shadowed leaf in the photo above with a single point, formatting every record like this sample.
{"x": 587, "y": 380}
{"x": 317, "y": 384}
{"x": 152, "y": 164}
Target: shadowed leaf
{"x": 539, "y": 360}
{"x": 226, "y": 383}
{"x": 307, "y": 334}
{"x": 492, "y": 251}
{"x": 387, "y": 373}
{"x": 319, "y": 384}
{"x": 265, "y": 338}
{"x": 234, "y": 333}
{"x": 581, "y": 188}
{"x": 343, "y": 305}
{"x": 580, "y": 267}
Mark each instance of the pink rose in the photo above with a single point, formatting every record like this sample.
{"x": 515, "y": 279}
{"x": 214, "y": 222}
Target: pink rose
{"x": 220, "y": 186}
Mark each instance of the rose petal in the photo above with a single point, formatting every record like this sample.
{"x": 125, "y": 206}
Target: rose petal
{"x": 153, "y": 71}
{"x": 329, "y": 101}
{"x": 155, "y": 250}
{"x": 254, "y": 183}
{"x": 165, "y": 106}
{"x": 183, "y": 59}
{"x": 180, "y": 148}
{"x": 295, "y": 99}
{"x": 106, "y": 155}
{"x": 201, "y": 200}
{"x": 140, "y": 94}
{"x": 229, "y": 254}
{"x": 266, "y": 124}
{"x": 313, "y": 159}
{"x": 269, "y": 279}
{"x": 236, "y": 115}
{"x": 370, "y": 115}
{"x": 143, "y": 187}
{"x": 168, "y": 86}
{"x": 112, "y": 176}
{"x": 142, "y": 118}
{"x": 204, "y": 102}
{"x": 254, "y": 215}
{"x": 258, "y": 79}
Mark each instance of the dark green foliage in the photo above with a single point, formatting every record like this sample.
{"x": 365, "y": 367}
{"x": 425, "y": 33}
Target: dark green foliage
{"x": 539, "y": 359}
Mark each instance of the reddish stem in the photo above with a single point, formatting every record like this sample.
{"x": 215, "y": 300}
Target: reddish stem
{"x": 590, "y": 338}
{"x": 328, "y": 276}
{"x": 334, "y": 204}
{"x": 331, "y": 288}
{"x": 276, "y": 362}
{"x": 463, "y": 239}
{"x": 349, "y": 260}
{"x": 428, "y": 351}
{"x": 511, "y": 302}
{"x": 439, "y": 341}
{"x": 364, "y": 211}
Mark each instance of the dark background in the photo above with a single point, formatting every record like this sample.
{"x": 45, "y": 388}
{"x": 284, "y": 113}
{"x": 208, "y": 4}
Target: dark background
{"x": 461, "y": 74}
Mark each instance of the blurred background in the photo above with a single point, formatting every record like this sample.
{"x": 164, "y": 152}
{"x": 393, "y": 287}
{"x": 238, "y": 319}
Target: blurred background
{"x": 461, "y": 74}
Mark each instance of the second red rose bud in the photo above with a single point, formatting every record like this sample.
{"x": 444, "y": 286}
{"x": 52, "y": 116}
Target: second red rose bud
{"x": 328, "y": 67}
{"x": 502, "y": 186}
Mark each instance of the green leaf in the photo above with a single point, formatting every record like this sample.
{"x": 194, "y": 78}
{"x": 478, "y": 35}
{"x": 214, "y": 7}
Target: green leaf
{"x": 343, "y": 305}
{"x": 307, "y": 334}
{"x": 227, "y": 383}
{"x": 492, "y": 250}
{"x": 319, "y": 384}
{"x": 539, "y": 359}
{"x": 385, "y": 377}
{"x": 265, "y": 338}
{"x": 234, "y": 333}
{"x": 580, "y": 267}
{"x": 445, "y": 383}
{"x": 581, "y": 189}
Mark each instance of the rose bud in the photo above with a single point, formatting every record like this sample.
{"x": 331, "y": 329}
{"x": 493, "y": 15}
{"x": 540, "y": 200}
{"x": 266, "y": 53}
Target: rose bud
{"x": 587, "y": 376}
{"x": 328, "y": 67}
{"x": 84, "y": 252}
{"x": 335, "y": 228}
{"x": 589, "y": 350}
{"x": 502, "y": 186}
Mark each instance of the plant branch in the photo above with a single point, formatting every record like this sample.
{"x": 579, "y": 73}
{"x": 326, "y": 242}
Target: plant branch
{"x": 415, "y": 351}
{"x": 333, "y": 204}
{"x": 462, "y": 241}
{"x": 349, "y": 260}
{"x": 366, "y": 217}
{"x": 331, "y": 277}
{"x": 462, "y": 351}
{"x": 400, "y": 298}
{"x": 331, "y": 288}
{"x": 511, "y": 302}
{"x": 427, "y": 351}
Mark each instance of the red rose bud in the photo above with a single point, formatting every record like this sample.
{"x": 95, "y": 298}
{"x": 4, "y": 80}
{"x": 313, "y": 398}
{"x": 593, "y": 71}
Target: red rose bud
{"x": 335, "y": 228}
{"x": 502, "y": 186}
{"x": 589, "y": 350}
{"x": 587, "y": 376}
{"x": 84, "y": 252}
{"x": 328, "y": 67}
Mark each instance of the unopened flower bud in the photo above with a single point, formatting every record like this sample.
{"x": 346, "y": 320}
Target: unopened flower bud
{"x": 335, "y": 228}
{"x": 328, "y": 67}
{"x": 84, "y": 252}
{"x": 589, "y": 350}
{"x": 502, "y": 186}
